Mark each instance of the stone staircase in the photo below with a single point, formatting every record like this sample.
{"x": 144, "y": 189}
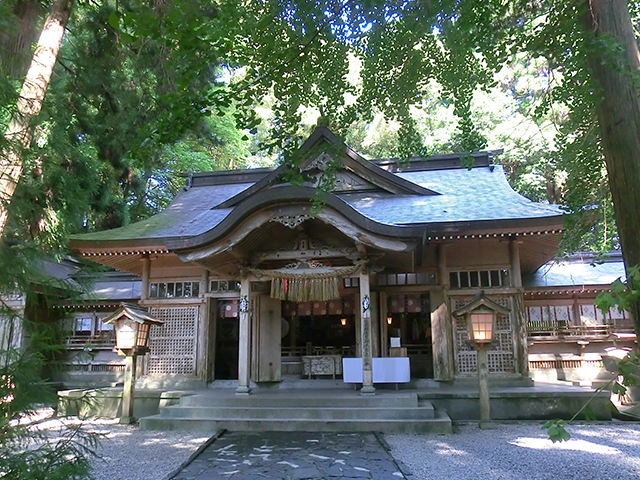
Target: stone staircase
{"x": 305, "y": 410}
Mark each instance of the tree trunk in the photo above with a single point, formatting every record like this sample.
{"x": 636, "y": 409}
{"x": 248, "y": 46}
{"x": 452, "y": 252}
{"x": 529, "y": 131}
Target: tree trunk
{"x": 15, "y": 46}
{"x": 619, "y": 119}
{"x": 35, "y": 85}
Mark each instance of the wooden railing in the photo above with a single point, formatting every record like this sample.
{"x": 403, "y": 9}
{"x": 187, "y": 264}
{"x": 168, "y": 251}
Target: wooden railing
{"x": 344, "y": 351}
{"x": 553, "y": 330}
{"x": 564, "y": 364}
{"x": 103, "y": 341}
{"x": 92, "y": 367}
{"x": 318, "y": 350}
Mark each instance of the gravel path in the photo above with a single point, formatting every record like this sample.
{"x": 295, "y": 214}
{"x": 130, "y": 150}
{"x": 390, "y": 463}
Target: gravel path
{"x": 522, "y": 452}
{"x": 513, "y": 451}
{"x": 127, "y": 453}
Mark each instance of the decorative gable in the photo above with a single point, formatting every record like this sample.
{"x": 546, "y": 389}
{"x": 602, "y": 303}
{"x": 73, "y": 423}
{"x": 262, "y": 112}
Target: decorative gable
{"x": 344, "y": 180}
{"x": 352, "y": 172}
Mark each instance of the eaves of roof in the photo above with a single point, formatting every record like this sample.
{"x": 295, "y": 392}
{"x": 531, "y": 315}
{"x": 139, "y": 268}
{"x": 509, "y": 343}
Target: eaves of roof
{"x": 290, "y": 195}
{"x": 575, "y": 274}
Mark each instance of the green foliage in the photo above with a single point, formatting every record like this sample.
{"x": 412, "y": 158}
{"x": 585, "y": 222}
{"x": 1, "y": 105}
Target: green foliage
{"x": 556, "y": 430}
{"x": 622, "y": 293}
{"x": 403, "y": 48}
{"x": 628, "y": 368}
{"x": 27, "y": 449}
{"x": 216, "y": 146}
{"x": 135, "y": 84}
{"x": 138, "y": 91}
{"x": 31, "y": 342}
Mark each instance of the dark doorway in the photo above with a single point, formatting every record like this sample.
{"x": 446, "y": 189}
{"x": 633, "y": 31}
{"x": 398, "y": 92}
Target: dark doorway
{"x": 226, "y": 367}
{"x": 319, "y": 328}
{"x": 411, "y": 322}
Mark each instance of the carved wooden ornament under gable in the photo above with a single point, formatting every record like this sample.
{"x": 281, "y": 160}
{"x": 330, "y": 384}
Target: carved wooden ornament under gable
{"x": 306, "y": 248}
{"x": 322, "y": 162}
{"x": 345, "y": 180}
{"x": 291, "y": 221}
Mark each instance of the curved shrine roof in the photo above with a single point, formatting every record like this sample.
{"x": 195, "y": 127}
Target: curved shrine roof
{"x": 575, "y": 271}
{"x": 479, "y": 194}
{"x": 435, "y": 193}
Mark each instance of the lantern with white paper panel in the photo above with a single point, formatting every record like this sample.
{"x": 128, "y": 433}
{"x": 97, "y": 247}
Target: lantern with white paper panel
{"x": 480, "y": 315}
{"x": 132, "y": 325}
{"x": 480, "y": 325}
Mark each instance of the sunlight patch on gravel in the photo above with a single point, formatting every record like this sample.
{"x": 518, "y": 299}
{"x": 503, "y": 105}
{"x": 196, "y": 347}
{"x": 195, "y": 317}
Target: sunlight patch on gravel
{"x": 125, "y": 452}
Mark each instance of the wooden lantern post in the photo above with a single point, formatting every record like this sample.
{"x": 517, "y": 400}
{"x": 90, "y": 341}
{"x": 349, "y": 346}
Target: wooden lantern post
{"x": 132, "y": 325}
{"x": 480, "y": 315}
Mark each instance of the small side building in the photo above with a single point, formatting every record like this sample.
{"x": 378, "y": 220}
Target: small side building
{"x": 90, "y": 359}
{"x": 568, "y": 334}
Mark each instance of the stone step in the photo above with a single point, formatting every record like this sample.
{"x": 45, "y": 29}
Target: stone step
{"x": 317, "y": 400}
{"x": 441, "y": 424}
{"x": 315, "y": 413}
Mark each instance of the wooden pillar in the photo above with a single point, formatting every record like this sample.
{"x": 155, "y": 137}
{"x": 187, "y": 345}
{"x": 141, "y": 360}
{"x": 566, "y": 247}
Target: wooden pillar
{"x": 441, "y": 327}
{"x": 442, "y": 346}
{"x": 521, "y": 336}
{"x": 146, "y": 273}
{"x": 140, "y": 368}
{"x": 244, "y": 340}
{"x": 202, "y": 351}
{"x": 129, "y": 391}
{"x": 483, "y": 386}
{"x": 365, "y": 332}
{"x": 266, "y": 359}
{"x": 384, "y": 327}
{"x": 518, "y": 312}
{"x": 514, "y": 257}
{"x": 577, "y": 317}
{"x": 376, "y": 321}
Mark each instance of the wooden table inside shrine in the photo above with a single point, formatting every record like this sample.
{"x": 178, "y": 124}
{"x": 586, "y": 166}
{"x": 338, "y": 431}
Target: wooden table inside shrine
{"x": 322, "y": 365}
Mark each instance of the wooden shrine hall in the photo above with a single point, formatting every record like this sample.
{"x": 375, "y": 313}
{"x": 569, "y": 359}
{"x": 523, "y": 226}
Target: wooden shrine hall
{"x": 261, "y": 280}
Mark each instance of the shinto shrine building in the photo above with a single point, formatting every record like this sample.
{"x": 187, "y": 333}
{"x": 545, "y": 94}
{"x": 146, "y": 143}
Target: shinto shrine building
{"x": 257, "y": 281}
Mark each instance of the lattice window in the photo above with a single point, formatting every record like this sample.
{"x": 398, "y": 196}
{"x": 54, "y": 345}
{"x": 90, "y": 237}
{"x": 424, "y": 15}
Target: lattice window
{"x": 172, "y": 346}
{"x": 467, "y": 361}
{"x": 174, "y": 290}
{"x": 422, "y": 278}
{"x": 224, "y": 286}
{"x": 501, "y": 362}
{"x": 479, "y": 278}
{"x": 501, "y": 357}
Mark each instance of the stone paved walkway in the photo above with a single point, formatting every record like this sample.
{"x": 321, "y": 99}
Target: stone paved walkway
{"x": 293, "y": 456}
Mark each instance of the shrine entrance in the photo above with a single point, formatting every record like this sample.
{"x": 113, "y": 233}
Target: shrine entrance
{"x": 408, "y": 325}
{"x": 317, "y": 327}
{"x": 226, "y": 340}
{"x": 304, "y": 302}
